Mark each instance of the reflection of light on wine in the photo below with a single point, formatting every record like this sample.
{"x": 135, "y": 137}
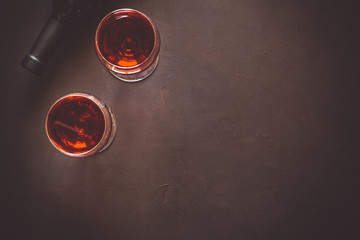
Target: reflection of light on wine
{"x": 65, "y": 126}
{"x": 78, "y": 144}
{"x": 79, "y": 131}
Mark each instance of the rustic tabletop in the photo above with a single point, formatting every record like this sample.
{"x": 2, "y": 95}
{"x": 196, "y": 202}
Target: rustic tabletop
{"x": 247, "y": 129}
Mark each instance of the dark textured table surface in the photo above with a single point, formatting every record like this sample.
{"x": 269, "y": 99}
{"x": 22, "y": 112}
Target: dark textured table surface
{"x": 248, "y": 128}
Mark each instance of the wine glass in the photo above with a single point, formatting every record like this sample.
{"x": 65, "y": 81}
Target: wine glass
{"x": 80, "y": 124}
{"x": 127, "y": 42}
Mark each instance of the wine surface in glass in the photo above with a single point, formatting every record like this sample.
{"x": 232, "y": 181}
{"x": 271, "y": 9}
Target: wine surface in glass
{"x": 127, "y": 40}
{"x": 75, "y": 124}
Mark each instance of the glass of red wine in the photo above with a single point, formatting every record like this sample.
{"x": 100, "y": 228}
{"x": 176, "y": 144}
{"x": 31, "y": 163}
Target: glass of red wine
{"x": 127, "y": 42}
{"x": 80, "y": 124}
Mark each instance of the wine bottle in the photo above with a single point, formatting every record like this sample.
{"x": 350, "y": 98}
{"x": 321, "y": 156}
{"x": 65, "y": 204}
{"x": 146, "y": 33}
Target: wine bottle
{"x": 65, "y": 13}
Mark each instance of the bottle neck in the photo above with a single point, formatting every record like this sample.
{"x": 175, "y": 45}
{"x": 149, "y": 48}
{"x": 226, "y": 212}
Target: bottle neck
{"x": 64, "y": 14}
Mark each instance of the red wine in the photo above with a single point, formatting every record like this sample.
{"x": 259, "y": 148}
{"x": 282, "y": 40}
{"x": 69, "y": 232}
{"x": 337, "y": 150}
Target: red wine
{"x": 75, "y": 124}
{"x": 127, "y": 40}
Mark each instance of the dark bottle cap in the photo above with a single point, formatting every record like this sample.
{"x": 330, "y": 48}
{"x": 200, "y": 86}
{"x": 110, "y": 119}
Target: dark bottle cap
{"x": 33, "y": 64}
{"x": 46, "y": 42}
{"x": 65, "y": 13}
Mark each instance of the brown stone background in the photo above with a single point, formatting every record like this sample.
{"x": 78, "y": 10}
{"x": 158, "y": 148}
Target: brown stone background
{"x": 248, "y": 128}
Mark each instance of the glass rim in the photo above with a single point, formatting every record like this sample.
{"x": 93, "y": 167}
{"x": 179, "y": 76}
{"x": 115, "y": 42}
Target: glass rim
{"x": 107, "y": 122}
{"x": 136, "y": 68}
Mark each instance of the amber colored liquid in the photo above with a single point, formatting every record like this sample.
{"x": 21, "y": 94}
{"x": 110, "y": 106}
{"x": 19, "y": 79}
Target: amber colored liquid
{"x": 76, "y": 124}
{"x": 127, "y": 41}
